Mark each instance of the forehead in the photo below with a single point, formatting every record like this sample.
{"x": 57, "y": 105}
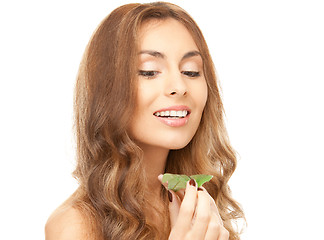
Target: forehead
{"x": 165, "y": 35}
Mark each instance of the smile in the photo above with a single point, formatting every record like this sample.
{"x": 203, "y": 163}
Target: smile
{"x": 176, "y": 116}
{"x": 172, "y": 114}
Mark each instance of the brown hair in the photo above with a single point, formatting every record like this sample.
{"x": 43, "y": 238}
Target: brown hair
{"x": 109, "y": 164}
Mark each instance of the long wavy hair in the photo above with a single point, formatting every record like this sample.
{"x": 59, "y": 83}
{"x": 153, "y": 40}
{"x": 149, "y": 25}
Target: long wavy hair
{"x": 112, "y": 192}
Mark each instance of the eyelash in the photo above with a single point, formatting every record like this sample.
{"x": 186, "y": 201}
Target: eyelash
{"x": 152, "y": 74}
{"x": 191, "y": 74}
{"x": 148, "y": 74}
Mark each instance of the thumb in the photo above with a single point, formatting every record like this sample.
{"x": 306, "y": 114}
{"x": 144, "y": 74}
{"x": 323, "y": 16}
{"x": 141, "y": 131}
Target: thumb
{"x": 174, "y": 203}
{"x": 174, "y": 206}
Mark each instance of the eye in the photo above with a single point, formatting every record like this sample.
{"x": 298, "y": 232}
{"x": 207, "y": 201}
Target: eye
{"x": 148, "y": 74}
{"x": 191, "y": 74}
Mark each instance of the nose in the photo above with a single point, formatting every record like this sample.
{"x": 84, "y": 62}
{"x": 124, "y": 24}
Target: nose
{"x": 175, "y": 85}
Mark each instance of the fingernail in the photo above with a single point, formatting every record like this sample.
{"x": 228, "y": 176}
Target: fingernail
{"x": 170, "y": 196}
{"x": 192, "y": 182}
{"x": 200, "y": 189}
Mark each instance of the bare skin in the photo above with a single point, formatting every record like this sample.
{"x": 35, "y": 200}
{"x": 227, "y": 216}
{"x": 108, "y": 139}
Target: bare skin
{"x": 171, "y": 74}
{"x": 194, "y": 215}
{"x": 66, "y": 223}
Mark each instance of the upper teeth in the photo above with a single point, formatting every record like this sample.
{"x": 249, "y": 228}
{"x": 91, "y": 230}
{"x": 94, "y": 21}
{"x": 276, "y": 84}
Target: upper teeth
{"x": 172, "y": 113}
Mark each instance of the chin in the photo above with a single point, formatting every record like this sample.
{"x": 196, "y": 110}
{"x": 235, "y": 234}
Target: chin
{"x": 176, "y": 145}
{"x": 177, "y": 148}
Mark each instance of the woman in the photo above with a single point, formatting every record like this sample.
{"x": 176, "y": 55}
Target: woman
{"x": 146, "y": 103}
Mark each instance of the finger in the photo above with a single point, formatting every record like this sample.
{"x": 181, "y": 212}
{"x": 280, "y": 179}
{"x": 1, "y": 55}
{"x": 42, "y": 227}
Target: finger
{"x": 180, "y": 194}
{"x": 215, "y": 230}
{"x": 174, "y": 202}
{"x": 214, "y": 207}
{"x": 203, "y": 216}
{"x": 174, "y": 206}
{"x": 187, "y": 208}
{"x": 164, "y": 184}
{"x": 224, "y": 234}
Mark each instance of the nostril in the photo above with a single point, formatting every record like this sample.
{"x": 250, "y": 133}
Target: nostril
{"x": 173, "y": 93}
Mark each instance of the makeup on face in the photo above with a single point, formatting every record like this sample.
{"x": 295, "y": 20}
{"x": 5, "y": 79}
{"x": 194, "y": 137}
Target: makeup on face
{"x": 174, "y": 116}
{"x": 152, "y": 63}
{"x": 172, "y": 90}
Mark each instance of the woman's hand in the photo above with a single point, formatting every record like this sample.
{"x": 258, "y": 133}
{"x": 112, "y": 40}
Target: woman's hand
{"x": 194, "y": 215}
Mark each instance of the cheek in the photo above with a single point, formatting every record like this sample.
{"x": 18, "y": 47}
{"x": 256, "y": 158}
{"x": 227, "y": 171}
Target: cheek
{"x": 143, "y": 112}
{"x": 201, "y": 94}
{"x": 205, "y": 95}
{"x": 146, "y": 94}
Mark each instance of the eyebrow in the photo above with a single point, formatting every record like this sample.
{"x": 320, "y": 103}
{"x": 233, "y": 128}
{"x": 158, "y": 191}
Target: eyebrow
{"x": 153, "y": 53}
{"x": 161, "y": 55}
{"x": 191, "y": 54}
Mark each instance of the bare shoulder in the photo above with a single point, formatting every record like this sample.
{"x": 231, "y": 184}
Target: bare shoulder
{"x": 65, "y": 223}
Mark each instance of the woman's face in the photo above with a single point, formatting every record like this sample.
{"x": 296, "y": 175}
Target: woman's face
{"x": 172, "y": 89}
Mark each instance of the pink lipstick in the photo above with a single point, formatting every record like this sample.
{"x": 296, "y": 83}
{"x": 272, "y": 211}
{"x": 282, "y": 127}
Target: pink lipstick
{"x": 174, "y": 116}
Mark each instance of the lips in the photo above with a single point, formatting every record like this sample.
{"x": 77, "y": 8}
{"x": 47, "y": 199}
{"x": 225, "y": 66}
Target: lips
{"x": 172, "y": 114}
{"x": 175, "y": 116}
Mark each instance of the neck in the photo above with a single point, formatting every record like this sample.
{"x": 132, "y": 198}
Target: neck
{"x": 154, "y": 164}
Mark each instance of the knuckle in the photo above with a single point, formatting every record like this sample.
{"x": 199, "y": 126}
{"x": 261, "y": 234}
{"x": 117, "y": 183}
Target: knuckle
{"x": 187, "y": 237}
{"x": 224, "y": 232}
{"x": 214, "y": 226}
{"x": 203, "y": 217}
{"x": 186, "y": 210}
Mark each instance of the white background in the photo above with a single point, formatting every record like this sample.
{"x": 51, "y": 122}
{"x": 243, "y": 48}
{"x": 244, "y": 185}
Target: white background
{"x": 269, "y": 56}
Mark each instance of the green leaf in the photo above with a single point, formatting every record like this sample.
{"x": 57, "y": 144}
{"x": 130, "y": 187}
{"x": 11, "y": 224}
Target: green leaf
{"x": 177, "y": 181}
{"x": 201, "y": 178}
